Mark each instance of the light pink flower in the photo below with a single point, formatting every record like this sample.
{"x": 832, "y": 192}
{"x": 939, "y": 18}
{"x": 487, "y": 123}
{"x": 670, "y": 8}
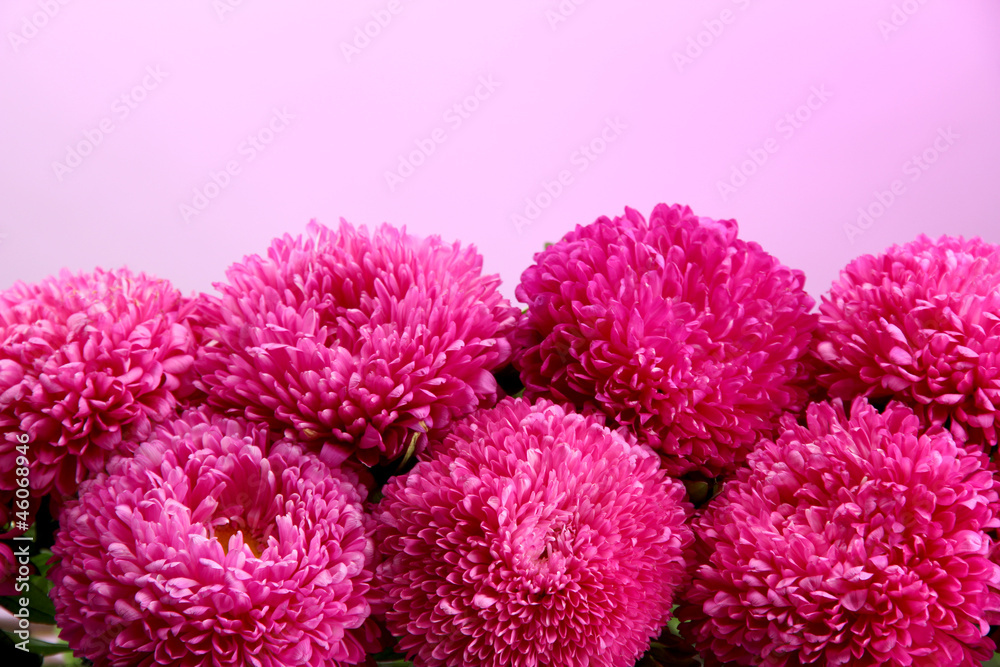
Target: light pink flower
{"x": 850, "y": 541}
{"x": 674, "y": 328}
{"x": 530, "y": 537}
{"x": 919, "y": 323}
{"x": 203, "y": 550}
{"x": 367, "y": 341}
{"x": 89, "y": 363}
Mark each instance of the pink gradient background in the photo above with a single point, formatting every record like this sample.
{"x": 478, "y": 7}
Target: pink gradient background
{"x": 687, "y": 126}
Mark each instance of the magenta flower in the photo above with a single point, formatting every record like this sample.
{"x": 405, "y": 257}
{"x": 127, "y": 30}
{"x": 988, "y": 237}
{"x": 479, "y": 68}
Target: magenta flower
{"x": 89, "y": 363}
{"x": 851, "y": 541}
{"x": 8, "y": 568}
{"x": 919, "y": 323}
{"x": 529, "y": 537}
{"x": 676, "y": 329}
{"x": 369, "y": 341}
{"x": 204, "y": 313}
{"x": 202, "y": 550}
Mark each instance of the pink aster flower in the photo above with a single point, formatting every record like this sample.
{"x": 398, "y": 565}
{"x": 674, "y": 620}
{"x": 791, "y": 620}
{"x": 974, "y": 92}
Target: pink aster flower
{"x": 201, "y": 550}
{"x": 88, "y": 364}
{"x": 919, "y": 323}
{"x": 369, "y": 341}
{"x": 204, "y": 313}
{"x": 850, "y": 541}
{"x": 8, "y": 568}
{"x": 674, "y": 328}
{"x": 529, "y": 537}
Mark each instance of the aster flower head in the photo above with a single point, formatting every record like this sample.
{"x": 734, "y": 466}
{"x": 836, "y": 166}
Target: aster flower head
{"x": 8, "y": 568}
{"x": 202, "y": 550}
{"x": 674, "y": 328}
{"x": 204, "y": 314}
{"x": 367, "y": 341}
{"x": 89, "y": 363}
{"x": 919, "y": 323}
{"x": 530, "y": 537}
{"x": 849, "y": 541}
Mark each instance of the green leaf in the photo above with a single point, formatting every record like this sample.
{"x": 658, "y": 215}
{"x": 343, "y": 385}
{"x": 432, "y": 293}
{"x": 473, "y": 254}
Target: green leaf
{"x": 40, "y": 607}
{"x": 994, "y": 662}
{"x": 11, "y": 604}
{"x": 41, "y": 561}
{"x": 39, "y": 647}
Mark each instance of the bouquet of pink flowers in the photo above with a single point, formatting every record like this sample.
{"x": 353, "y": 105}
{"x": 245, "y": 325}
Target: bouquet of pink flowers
{"x": 358, "y": 452}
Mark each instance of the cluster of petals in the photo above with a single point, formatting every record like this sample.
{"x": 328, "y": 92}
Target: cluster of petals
{"x": 919, "y": 323}
{"x": 206, "y": 547}
{"x": 8, "y": 568}
{"x": 675, "y": 329}
{"x": 861, "y": 540}
{"x": 365, "y": 342}
{"x": 88, "y": 364}
{"x": 531, "y": 536}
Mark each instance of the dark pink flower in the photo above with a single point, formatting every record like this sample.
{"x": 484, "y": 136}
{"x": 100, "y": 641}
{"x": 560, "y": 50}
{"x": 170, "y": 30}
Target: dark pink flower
{"x": 8, "y": 568}
{"x": 850, "y": 541}
{"x": 530, "y": 537}
{"x": 204, "y": 313}
{"x": 676, "y": 329}
{"x": 89, "y": 363}
{"x": 919, "y": 323}
{"x": 369, "y": 341}
{"x": 204, "y": 550}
